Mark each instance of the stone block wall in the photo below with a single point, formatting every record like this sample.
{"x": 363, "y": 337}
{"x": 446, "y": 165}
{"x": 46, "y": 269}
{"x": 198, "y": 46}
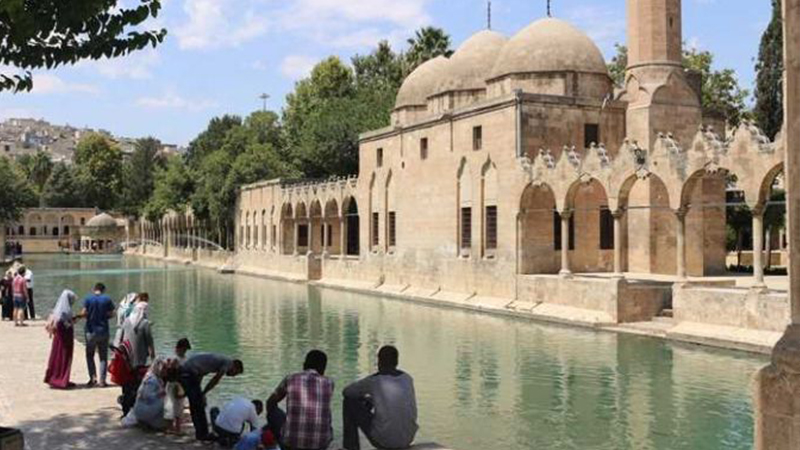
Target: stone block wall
{"x": 741, "y": 308}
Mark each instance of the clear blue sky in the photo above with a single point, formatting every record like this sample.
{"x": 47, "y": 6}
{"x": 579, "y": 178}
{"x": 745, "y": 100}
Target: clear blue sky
{"x": 221, "y": 54}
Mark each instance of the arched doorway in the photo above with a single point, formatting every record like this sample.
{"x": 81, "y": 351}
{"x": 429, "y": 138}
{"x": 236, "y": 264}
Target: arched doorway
{"x": 538, "y": 240}
{"x": 351, "y": 223}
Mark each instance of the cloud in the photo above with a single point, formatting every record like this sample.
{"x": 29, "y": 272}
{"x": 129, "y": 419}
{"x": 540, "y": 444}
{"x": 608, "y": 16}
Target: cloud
{"x": 171, "y": 100}
{"x": 604, "y": 25}
{"x": 214, "y": 24}
{"x": 136, "y": 66}
{"x": 46, "y": 83}
{"x": 297, "y": 66}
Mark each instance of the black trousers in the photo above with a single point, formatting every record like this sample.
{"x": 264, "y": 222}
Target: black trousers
{"x": 129, "y": 391}
{"x": 197, "y": 403}
{"x": 31, "y": 308}
{"x": 356, "y": 414}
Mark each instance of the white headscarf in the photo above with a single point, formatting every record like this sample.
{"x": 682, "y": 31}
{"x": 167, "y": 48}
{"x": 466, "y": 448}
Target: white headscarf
{"x": 62, "y": 312}
{"x": 125, "y": 308}
{"x": 140, "y": 313}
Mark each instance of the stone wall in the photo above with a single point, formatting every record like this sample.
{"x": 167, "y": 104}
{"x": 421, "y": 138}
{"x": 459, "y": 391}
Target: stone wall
{"x": 740, "y": 308}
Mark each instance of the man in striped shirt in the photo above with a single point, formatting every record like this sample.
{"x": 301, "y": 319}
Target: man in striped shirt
{"x": 306, "y": 424}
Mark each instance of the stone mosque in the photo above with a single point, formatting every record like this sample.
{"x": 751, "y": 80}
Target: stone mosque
{"x": 516, "y": 178}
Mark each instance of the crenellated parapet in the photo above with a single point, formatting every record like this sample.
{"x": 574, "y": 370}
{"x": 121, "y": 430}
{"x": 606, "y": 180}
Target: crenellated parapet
{"x": 748, "y": 155}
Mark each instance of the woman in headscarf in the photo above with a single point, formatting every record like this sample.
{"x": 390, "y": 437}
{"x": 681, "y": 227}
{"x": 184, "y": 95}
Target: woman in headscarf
{"x": 123, "y": 311}
{"x": 136, "y": 332}
{"x": 6, "y": 295}
{"x": 149, "y": 407}
{"x": 59, "y": 325}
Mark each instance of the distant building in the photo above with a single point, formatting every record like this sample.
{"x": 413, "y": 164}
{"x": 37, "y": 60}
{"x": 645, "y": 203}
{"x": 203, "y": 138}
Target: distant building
{"x": 49, "y": 230}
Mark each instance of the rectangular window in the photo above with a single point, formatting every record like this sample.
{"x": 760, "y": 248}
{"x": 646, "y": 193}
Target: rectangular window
{"x": 392, "y": 229}
{"x": 591, "y": 134}
{"x": 302, "y": 235}
{"x": 606, "y": 229}
{"x": 466, "y": 228}
{"x": 380, "y": 157}
{"x": 491, "y": 227}
{"x": 423, "y": 148}
{"x": 477, "y": 138}
{"x": 375, "y": 229}
{"x": 557, "y": 231}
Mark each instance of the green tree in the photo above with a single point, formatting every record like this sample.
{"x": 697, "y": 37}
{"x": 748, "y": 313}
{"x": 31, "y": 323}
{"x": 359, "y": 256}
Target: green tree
{"x": 173, "y": 187}
{"x": 99, "y": 165}
{"x": 427, "y": 43}
{"x": 210, "y": 139}
{"x": 41, "y": 169}
{"x": 774, "y": 221}
{"x": 63, "y": 189}
{"x": 49, "y": 33}
{"x": 139, "y": 174}
{"x": 720, "y": 90}
{"x": 769, "y": 76}
{"x": 16, "y": 194}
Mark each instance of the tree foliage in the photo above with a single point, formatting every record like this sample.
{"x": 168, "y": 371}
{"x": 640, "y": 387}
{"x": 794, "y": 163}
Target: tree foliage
{"x": 63, "y": 189}
{"x": 720, "y": 89}
{"x": 139, "y": 174}
{"x": 16, "y": 194}
{"x": 427, "y": 43}
{"x": 172, "y": 188}
{"x": 99, "y": 165}
{"x": 769, "y": 76}
{"x": 49, "y": 33}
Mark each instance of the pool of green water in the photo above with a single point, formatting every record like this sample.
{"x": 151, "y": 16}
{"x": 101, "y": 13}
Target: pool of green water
{"x": 481, "y": 381}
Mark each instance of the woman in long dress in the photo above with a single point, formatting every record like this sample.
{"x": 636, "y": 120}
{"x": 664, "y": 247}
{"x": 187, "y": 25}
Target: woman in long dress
{"x": 148, "y": 411}
{"x": 59, "y": 325}
{"x": 6, "y": 296}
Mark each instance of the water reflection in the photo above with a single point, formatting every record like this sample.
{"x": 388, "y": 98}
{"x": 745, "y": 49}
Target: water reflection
{"x": 481, "y": 381}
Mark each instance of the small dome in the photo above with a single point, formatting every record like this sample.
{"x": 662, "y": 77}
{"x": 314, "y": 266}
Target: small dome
{"x": 549, "y": 45}
{"x": 421, "y": 83}
{"x": 470, "y": 66}
{"x": 102, "y": 221}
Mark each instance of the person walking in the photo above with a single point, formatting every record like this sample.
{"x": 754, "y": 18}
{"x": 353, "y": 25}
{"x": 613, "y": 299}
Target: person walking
{"x": 192, "y": 373}
{"x": 307, "y": 423}
{"x": 98, "y": 309}
{"x": 30, "y": 313}
{"x": 20, "y": 291}
{"x": 7, "y": 295}
{"x": 137, "y": 334}
{"x": 382, "y": 405}
{"x": 59, "y": 325}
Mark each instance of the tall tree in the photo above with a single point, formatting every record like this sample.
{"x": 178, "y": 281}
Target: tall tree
{"x": 42, "y": 167}
{"x": 720, "y": 90}
{"x": 769, "y": 76}
{"x": 50, "y": 33}
{"x": 173, "y": 186}
{"x": 427, "y": 43}
{"x": 63, "y": 189}
{"x": 210, "y": 139}
{"x": 16, "y": 194}
{"x": 99, "y": 164}
{"x": 139, "y": 175}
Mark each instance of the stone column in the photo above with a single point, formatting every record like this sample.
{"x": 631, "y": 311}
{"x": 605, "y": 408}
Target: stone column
{"x": 680, "y": 217}
{"x": 618, "y": 244}
{"x": 342, "y": 237}
{"x": 777, "y": 411}
{"x": 565, "y": 269}
{"x": 310, "y": 249}
{"x": 758, "y": 248}
{"x": 296, "y": 238}
{"x": 325, "y": 243}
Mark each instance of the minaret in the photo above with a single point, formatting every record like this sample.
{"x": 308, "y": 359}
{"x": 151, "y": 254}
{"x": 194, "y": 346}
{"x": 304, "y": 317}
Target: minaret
{"x": 659, "y": 96}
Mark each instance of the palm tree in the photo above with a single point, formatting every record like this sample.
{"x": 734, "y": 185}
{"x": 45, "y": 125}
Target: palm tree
{"x": 427, "y": 43}
{"x": 41, "y": 166}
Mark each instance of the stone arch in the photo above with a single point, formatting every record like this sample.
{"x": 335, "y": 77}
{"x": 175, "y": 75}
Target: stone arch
{"x": 351, "y": 234}
{"x": 703, "y": 200}
{"x": 587, "y": 200}
{"x": 649, "y": 226}
{"x": 333, "y": 227}
{"x": 67, "y": 224}
{"x": 765, "y": 188}
{"x": 537, "y": 241}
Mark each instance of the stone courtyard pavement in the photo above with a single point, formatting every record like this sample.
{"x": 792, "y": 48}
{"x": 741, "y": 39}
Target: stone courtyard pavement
{"x": 54, "y": 419}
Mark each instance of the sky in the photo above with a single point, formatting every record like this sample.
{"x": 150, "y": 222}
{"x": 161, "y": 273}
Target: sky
{"x": 220, "y": 55}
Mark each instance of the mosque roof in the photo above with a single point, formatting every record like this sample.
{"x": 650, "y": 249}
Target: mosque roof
{"x": 470, "y": 65}
{"x": 102, "y": 220}
{"x": 421, "y": 83}
{"x": 549, "y": 45}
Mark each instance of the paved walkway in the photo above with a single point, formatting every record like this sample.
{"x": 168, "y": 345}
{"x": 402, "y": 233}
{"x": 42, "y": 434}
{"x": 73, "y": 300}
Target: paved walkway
{"x": 54, "y": 419}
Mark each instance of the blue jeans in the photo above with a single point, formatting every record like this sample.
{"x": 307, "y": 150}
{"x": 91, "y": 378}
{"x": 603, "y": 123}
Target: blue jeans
{"x": 97, "y": 343}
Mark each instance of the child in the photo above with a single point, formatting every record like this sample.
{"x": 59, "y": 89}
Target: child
{"x": 262, "y": 439}
{"x": 176, "y": 398}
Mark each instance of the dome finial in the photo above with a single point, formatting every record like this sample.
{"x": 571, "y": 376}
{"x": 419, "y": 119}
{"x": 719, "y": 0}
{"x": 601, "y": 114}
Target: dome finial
{"x": 489, "y": 15}
{"x": 549, "y": 10}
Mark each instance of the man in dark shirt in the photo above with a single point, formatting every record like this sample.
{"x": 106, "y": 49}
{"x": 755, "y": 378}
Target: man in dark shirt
{"x": 97, "y": 310}
{"x": 192, "y": 372}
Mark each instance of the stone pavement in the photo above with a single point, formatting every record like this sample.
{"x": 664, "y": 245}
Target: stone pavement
{"x": 54, "y": 419}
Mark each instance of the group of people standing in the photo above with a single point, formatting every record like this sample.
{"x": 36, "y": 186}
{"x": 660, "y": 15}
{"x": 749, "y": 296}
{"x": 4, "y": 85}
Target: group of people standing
{"x": 16, "y": 294}
{"x": 155, "y": 389}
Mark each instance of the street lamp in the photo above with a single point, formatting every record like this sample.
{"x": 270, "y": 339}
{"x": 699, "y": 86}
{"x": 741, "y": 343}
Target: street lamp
{"x": 264, "y": 97}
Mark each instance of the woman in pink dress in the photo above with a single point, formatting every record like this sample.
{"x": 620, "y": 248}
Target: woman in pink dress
{"x": 59, "y": 325}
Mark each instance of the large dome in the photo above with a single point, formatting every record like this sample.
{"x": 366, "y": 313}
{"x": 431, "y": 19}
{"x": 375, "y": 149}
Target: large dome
{"x": 421, "y": 83}
{"x": 549, "y": 45}
{"x": 102, "y": 221}
{"x": 470, "y": 66}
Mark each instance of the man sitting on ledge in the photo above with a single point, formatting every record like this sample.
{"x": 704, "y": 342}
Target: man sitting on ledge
{"x": 382, "y": 405}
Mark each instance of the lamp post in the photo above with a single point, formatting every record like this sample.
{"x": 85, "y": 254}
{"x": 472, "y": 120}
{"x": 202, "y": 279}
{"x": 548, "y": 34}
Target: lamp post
{"x": 264, "y": 97}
